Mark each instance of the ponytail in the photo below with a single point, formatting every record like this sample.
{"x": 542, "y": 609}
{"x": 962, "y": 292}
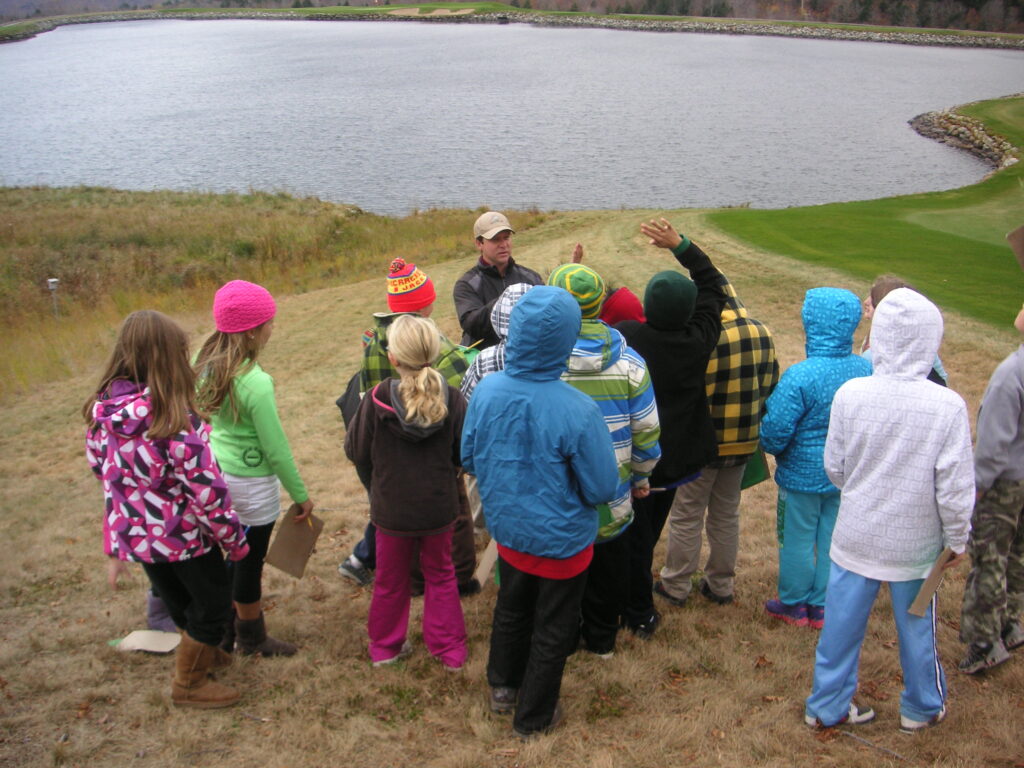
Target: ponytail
{"x": 415, "y": 343}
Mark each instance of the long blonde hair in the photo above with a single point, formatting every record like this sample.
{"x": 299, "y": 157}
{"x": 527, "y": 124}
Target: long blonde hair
{"x": 222, "y": 357}
{"x": 152, "y": 351}
{"x": 415, "y": 343}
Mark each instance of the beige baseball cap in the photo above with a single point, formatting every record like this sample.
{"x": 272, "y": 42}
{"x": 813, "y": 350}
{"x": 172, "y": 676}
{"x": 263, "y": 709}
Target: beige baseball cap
{"x": 490, "y": 224}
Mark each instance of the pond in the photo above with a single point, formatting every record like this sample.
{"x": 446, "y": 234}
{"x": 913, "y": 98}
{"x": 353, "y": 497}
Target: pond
{"x": 392, "y": 116}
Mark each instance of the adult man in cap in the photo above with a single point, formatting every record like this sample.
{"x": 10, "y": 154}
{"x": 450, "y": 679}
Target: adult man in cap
{"x": 478, "y": 289}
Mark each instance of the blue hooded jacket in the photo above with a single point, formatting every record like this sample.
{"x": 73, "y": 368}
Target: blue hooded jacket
{"x": 795, "y": 423}
{"x": 540, "y": 450}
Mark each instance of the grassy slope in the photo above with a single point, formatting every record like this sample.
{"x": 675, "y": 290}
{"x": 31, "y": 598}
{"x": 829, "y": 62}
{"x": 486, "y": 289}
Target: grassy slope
{"x": 950, "y": 244}
{"x": 716, "y": 687}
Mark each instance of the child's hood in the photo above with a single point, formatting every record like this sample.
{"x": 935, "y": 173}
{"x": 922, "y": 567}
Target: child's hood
{"x": 906, "y": 331}
{"x": 597, "y": 348}
{"x": 543, "y": 328}
{"x": 389, "y": 408}
{"x": 124, "y": 409}
{"x": 830, "y": 317}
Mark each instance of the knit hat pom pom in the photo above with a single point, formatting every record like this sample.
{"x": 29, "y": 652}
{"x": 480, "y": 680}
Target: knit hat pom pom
{"x": 396, "y": 266}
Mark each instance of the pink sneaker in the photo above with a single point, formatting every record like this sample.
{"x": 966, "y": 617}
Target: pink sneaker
{"x": 816, "y": 616}
{"x": 791, "y": 614}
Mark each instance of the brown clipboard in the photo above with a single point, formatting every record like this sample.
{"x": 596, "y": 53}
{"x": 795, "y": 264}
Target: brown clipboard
{"x": 931, "y": 585}
{"x": 1016, "y": 241}
{"x": 294, "y": 542}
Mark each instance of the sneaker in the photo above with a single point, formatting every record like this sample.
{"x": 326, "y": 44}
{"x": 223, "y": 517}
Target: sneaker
{"x": 503, "y": 699}
{"x": 857, "y": 715}
{"x": 660, "y": 591}
{"x": 646, "y": 630}
{"x": 405, "y": 652}
{"x": 353, "y": 569}
{"x": 982, "y": 656}
{"x": 912, "y": 726}
{"x": 556, "y": 720}
{"x": 1013, "y": 635}
{"x": 816, "y": 616}
{"x": 471, "y": 587}
{"x": 791, "y": 614}
{"x": 705, "y": 589}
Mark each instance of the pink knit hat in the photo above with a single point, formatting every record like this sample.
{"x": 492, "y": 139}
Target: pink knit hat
{"x": 241, "y": 306}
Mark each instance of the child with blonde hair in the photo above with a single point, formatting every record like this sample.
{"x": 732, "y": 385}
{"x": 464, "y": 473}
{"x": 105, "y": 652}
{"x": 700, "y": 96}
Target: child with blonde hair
{"x": 167, "y": 504}
{"x": 406, "y": 436}
{"x": 250, "y": 446}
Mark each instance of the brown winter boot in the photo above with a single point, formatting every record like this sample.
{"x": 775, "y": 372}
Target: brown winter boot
{"x": 192, "y": 686}
{"x": 251, "y": 637}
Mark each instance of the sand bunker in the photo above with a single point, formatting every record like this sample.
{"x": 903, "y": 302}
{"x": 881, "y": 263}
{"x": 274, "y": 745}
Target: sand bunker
{"x": 435, "y": 12}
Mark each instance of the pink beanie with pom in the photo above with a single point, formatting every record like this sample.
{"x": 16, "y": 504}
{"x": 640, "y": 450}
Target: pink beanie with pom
{"x": 241, "y": 306}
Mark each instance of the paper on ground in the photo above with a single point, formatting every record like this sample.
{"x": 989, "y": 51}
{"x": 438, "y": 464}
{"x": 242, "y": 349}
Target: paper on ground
{"x": 150, "y": 640}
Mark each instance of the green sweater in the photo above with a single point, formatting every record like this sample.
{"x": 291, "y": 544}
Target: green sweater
{"x": 253, "y": 444}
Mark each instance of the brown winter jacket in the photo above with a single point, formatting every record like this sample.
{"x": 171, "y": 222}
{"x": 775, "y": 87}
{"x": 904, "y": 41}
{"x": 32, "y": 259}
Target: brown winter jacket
{"x": 413, "y": 470}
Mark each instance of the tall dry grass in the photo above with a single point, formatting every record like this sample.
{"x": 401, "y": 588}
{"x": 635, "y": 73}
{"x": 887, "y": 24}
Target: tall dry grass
{"x": 115, "y": 251}
{"x": 717, "y": 686}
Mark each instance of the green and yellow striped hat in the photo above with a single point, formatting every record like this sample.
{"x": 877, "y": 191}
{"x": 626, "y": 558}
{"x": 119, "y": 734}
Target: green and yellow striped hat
{"x": 585, "y": 285}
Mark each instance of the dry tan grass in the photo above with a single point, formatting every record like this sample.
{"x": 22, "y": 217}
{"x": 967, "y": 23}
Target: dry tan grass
{"x": 718, "y": 686}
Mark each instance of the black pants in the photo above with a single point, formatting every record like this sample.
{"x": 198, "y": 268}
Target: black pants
{"x": 247, "y": 573}
{"x": 604, "y": 599}
{"x": 536, "y": 625}
{"x": 197, "y": 593}
{"x": 649, "y": 516}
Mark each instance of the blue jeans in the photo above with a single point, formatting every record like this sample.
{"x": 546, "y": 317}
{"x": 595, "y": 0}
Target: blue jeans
{"x": 847, "y": 606}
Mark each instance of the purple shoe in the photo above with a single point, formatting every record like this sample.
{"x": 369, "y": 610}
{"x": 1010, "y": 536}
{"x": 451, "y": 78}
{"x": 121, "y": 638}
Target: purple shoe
{"x": 816, "y": 616}
{"x": 791, "y": 614}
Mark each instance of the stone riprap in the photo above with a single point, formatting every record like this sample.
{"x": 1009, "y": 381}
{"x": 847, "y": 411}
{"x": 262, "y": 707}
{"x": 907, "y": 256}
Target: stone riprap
{"x": 967, "y": 134}
{"x": 698, "y": 26}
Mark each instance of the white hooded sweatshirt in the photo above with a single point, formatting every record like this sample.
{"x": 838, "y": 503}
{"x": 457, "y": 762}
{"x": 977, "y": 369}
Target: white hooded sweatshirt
{"x": 899, "y": 448}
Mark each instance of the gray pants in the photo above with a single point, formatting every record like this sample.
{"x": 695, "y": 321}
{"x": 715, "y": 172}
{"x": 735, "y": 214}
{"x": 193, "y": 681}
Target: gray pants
{"x": 716, "y": 491}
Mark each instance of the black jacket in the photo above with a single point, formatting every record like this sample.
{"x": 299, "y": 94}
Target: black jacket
{"x": 475, "y": 293}
{"x": 677, "y": 361}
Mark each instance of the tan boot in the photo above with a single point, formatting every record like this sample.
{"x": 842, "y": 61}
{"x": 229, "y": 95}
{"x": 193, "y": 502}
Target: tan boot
{"x": 192, "y": 686}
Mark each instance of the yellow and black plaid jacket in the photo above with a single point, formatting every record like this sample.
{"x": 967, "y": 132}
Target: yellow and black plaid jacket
{"x": 742, "y": 372}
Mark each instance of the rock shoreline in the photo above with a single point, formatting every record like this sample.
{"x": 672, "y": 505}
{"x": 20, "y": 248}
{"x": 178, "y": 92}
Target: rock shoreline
{"x": 967, "y": 134}
{"x": 703, "y": 26}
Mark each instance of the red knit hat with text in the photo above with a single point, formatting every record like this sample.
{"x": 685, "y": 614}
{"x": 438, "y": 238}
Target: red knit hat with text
{"x": 409, "y": 289}
{"x": 241, "y": 306}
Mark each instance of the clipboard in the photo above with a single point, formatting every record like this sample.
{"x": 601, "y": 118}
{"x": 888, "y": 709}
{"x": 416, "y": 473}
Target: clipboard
{"x": 931, "y": 585}
{"x": 294, "y": 542}
{"x": 1016, "y": 241}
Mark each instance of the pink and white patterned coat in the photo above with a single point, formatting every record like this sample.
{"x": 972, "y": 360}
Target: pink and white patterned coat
{"x": 166, "y": 499}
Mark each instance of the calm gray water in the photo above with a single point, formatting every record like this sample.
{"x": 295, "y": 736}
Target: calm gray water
{"x": 394, "y": 116}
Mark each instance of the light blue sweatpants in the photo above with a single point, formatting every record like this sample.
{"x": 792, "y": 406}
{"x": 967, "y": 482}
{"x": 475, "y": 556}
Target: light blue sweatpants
{"x": 847, "y": 606}
{"x": 805, "y": 523}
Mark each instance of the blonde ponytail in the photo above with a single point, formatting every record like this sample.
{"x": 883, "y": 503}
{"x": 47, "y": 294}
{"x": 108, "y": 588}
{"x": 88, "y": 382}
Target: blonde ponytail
{"x": 415, "y": 342}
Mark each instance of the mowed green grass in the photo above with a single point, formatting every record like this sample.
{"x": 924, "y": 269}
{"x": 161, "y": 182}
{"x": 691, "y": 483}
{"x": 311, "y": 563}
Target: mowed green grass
{"x": 951, "y": 245}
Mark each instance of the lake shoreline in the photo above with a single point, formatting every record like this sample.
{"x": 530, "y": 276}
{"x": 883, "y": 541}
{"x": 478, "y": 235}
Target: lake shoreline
{"x": 816, "y": 31}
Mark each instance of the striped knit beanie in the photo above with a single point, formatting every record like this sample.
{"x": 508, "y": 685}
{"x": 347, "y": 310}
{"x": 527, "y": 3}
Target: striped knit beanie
{"x": 409, "y": 289}
{"x": 585, "y": 285}
{"x": 241, "y": 306}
